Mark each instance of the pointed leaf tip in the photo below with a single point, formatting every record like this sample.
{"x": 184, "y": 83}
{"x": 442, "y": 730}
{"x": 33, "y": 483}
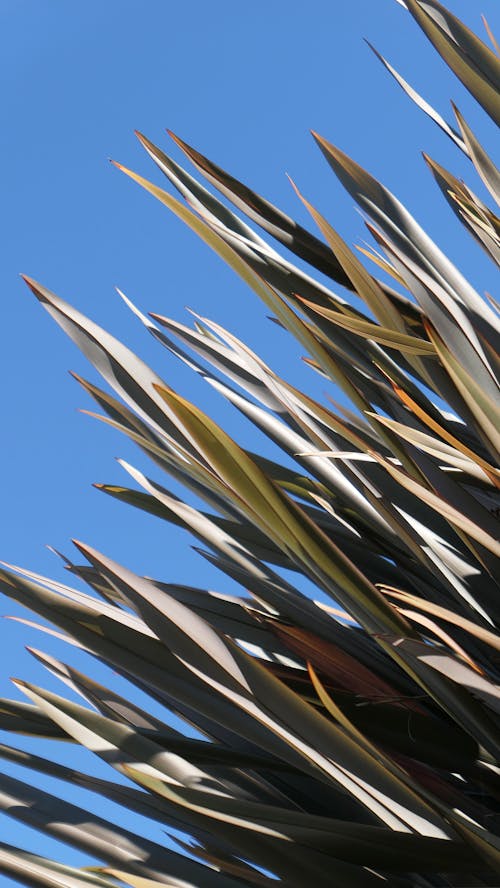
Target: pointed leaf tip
{"x": 177, "y": 139}
{"x": 81, "y": 547}
{"x": 142, "y": 139}
{"x": 32, "y": 284}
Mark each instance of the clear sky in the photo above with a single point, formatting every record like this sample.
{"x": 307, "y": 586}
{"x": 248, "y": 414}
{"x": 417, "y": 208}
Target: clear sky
{"x": 244, "y": 83}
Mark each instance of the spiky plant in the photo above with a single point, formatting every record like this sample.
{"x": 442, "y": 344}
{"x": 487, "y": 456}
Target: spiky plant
{"x": 349, "y": 744}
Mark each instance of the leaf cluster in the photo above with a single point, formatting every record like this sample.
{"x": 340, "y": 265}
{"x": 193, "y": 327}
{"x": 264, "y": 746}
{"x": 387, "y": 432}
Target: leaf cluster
{"x": 355, "y": 742}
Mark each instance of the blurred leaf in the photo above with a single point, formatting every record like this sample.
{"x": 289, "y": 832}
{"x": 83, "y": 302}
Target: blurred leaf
{"x": 34, "y": 870}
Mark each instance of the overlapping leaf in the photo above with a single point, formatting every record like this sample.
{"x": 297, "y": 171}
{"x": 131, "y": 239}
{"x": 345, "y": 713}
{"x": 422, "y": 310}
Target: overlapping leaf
{"x": 356, "y": 739}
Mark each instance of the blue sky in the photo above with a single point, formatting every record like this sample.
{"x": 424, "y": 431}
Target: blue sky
{"x": 244, "y": 83}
